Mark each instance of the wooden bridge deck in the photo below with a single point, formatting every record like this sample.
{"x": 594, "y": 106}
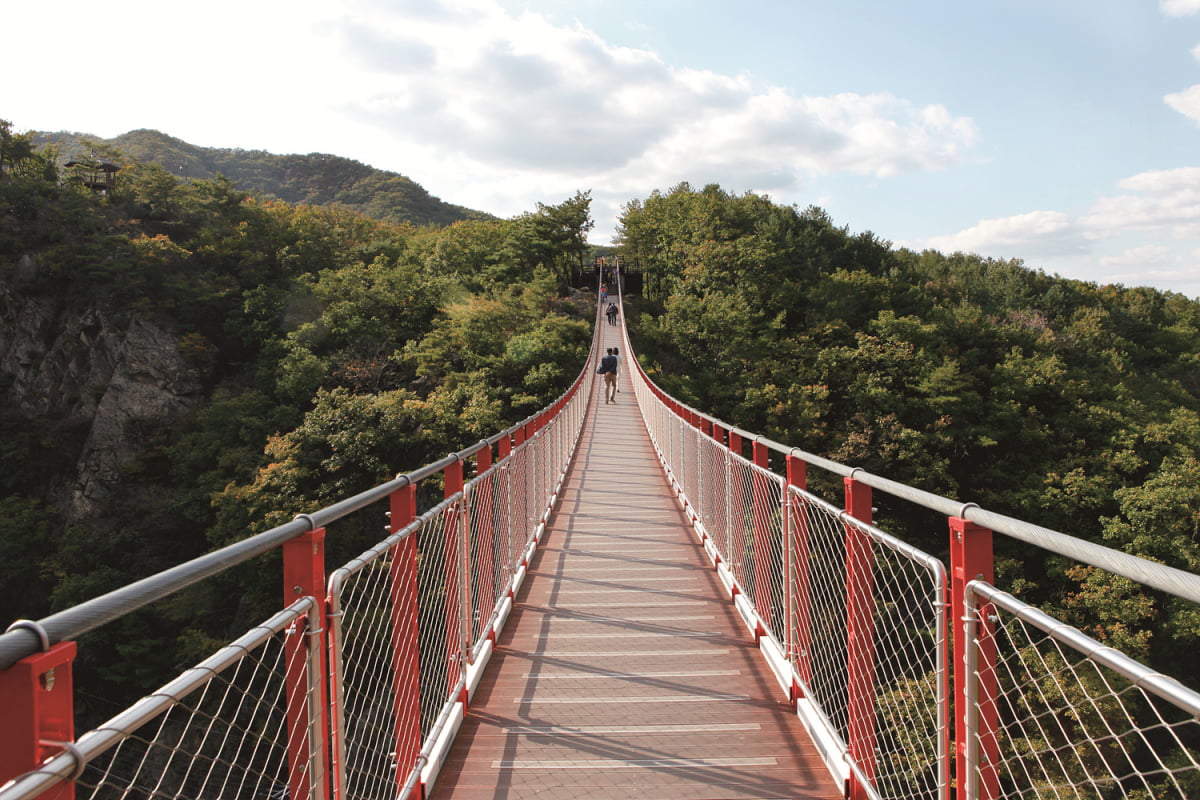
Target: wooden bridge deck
{"x": 624, "y": 671}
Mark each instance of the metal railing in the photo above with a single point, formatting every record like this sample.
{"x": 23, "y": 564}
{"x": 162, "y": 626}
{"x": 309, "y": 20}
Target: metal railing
{"x": 914, "y": 679}
{"x": 1054, "y": 713}
{"x": 354, "y": 690}
{"x": 223, "y": 728}
{"x": 878, "y": 643}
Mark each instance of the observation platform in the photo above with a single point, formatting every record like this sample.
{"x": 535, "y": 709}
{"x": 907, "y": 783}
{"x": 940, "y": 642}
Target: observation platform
{"x": 624, "y": 671}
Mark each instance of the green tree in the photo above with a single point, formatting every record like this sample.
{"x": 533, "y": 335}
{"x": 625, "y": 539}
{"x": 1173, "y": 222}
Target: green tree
{"x": 553, "y": 238}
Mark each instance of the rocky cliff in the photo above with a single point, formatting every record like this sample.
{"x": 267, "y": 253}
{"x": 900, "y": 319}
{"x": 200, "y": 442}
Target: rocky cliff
{"x": 113, "y": 379}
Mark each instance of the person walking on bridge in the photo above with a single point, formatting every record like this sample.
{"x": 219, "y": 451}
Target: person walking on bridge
{"x": 608, "y": 368}
{"x": 611, "y": 313}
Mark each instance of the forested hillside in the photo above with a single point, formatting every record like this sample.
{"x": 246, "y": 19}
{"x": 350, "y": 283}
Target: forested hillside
{"x": 311, "y": 179}
{"x": 1067, "y": 404}
{"x": 182, "y": 365}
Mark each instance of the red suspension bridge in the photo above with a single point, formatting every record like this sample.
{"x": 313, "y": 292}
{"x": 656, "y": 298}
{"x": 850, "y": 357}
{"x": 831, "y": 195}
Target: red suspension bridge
{"x": 622, "y": 601}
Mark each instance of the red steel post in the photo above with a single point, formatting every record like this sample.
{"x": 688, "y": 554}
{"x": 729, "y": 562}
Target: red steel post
{"x": 308, "y": 744}
{"x": 971, "y": 557}
{"x": 799, "y": 586}
{"x": 763, "y": 562}
{"x": 504, "y": 449}
{"x": 860, "y": 643}
{"x": 486, "y": 529}
{"x": 37, "y": 695}
{"x": 733, "y": 548}
{"x": 455, "y": 577}
{"x": 707, "y": 475}
{"x": 722, "y": 484}
{"x": 406, "y": 673}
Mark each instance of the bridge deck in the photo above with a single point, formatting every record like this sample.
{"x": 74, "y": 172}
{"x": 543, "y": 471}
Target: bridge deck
{"x": 624, "y": 672}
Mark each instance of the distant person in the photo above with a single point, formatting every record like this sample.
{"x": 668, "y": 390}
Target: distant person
{"x": 608, "y": 368}
{"x": 611, "y": 313}
{"x": 603, "y": 295}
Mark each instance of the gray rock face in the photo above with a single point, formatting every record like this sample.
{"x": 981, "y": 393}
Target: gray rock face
{"x": 114, "y": 378}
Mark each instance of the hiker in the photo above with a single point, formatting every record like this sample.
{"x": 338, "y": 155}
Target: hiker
{"x": 608, "y": 368}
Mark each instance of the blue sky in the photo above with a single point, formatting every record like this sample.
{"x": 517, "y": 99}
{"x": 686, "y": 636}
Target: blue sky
{"x": 1061, "y": 132}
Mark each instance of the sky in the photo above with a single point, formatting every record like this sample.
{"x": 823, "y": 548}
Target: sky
{"x": 1064, "y": 133}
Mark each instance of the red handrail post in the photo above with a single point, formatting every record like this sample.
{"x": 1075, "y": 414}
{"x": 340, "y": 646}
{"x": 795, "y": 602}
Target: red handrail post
{"x": 860, "y": 643}
{"x": 706, "y": 476}
{"x": 799, "y": 589}
{"x": 733, "y": 552}
{"x": 763, "y": 566}
{"x": 760, "y": 455}
{"x": 406, "y": 673}
{"x": 971, "y": 557}
{"x": 37, "y": 695}
{"x": 485, "y": 524}
{"x": 305, "y": 651}
{"x": 456, "y": 576}
{"x": 717, "y": 524}
{"x": 718, "y": 433}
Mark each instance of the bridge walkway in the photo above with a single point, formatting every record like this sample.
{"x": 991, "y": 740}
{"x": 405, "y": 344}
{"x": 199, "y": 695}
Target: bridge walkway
{"x": 624, "y": 671}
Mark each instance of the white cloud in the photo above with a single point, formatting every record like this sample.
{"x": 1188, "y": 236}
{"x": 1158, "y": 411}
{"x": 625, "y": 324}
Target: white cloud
{"x": 562, "y": 106}
{"x": 1038, "y": 232}
{"x": 486, "y": 108}
{"x": 1166, "y": 201}
{"x": 1159, "y": 201}
{"x": 1138, "y": 257}
{"x": 1145, "y": 235}
{"x": 1156, "y": 265}
{"x": 1186, "y": 102}
{"x": 1179, "y": 8}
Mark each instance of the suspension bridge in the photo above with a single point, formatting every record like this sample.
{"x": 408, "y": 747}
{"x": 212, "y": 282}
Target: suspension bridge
{"x": 621, "y": 600}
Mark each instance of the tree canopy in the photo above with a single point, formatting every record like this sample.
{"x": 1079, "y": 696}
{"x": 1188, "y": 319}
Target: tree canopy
{"x": 1068, "y": 404}
{"x": 329, "y": 350}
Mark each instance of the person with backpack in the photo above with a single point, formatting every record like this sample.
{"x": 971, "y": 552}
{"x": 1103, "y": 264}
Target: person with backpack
{"x": 608, "y": 368}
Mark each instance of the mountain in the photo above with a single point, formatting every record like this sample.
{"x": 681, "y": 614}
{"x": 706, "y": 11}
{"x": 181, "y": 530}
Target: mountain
{"x": 312, "y": 179}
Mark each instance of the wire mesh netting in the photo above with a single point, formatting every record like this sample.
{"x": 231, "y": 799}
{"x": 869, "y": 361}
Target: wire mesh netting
{"x": 407, "y": 617}
{"x": 790, "y": 559}
{"x": 1060, "y": 715}
{"x": 396, "y": 650}
{"x": 905, "y": 713}
{"x": 412, "y": 612}
{"x": 486, "y": 531}
{"x": 221, "y": 730}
